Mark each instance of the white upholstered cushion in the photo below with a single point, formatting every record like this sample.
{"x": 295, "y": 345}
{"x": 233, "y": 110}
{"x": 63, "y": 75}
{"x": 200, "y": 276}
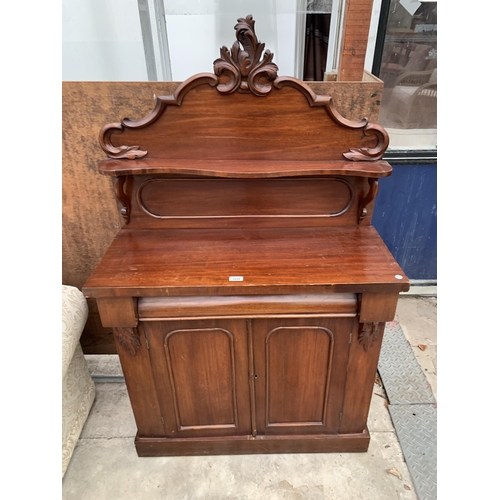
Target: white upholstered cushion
{"x": 74, "y": 315}
{"x": 78, "y": 394}
{"x": 78, "y": 388}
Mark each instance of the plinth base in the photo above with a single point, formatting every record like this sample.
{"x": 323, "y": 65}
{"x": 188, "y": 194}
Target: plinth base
{"x": 248, "y": 445}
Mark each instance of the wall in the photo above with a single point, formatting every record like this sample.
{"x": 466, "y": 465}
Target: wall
{"x": 405, "y": 215}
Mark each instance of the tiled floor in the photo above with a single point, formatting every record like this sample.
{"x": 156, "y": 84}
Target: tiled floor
{"x": 105, "y": 465}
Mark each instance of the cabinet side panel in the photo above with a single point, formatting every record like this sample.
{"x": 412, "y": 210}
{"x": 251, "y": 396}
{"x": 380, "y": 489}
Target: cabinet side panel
{"x": 362, "y": 368}
{"x": 131, "y": 346}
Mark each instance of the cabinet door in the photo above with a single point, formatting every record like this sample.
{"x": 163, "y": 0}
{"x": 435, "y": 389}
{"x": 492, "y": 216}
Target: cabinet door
{"x": 200, "y": 369}
{"x": 300, "y": 374}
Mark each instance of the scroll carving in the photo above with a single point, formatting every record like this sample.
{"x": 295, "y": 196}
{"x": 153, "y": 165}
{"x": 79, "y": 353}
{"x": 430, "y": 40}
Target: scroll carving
{"x": 369, "y": 333}
{"x": 370, "y": 154}
{"x": 243, "y": 65}
{"x": 133, "y": 152}
{"x": 129, "y": 339}
{"x": 122, "y": 185}
{"x": 118, "y": 152}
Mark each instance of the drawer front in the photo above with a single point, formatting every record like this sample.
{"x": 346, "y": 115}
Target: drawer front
{"x": 159, "y": 308}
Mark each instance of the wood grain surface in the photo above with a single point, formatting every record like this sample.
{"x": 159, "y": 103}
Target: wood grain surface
{"x": 271, "y": 261}
{"x": 246, "y": 445}
{"x": 213, "y": 126}
{"x": 245, "y": 169}
{"x": 132, "y": 348}
{"x": 165, "y": 202}
{"x": 200, "y": 370}
{"x": 300, "y": 367}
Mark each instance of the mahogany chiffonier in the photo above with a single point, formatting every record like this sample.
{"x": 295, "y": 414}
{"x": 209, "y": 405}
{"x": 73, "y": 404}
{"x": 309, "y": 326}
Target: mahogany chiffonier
{"x": 247, "y": 289}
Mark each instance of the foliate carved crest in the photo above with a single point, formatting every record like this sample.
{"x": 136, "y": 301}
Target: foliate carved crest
{"x": 246, "y": 71}
{"x": 369, "y": 333}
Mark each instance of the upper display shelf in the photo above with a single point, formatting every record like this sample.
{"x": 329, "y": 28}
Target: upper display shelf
{"x": 245, "y": 169}
{"x": 245, "y": 112}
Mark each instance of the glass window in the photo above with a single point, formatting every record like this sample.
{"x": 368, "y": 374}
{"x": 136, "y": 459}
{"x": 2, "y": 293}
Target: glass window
{"x": 316, "y": 43}
{"x": 102, "y": 41}
{"x": 409, "y": 71}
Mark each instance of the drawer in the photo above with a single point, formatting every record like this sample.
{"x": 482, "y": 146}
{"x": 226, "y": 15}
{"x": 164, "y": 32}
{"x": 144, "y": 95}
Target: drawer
{"x": 337, "y": 304}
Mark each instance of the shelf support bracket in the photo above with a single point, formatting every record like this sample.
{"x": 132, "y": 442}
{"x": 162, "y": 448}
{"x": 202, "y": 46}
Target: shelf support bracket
{"x": 372, "y": 192}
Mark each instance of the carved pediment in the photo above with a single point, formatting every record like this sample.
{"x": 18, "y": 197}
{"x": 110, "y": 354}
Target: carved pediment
{"x": 244, "y": 111}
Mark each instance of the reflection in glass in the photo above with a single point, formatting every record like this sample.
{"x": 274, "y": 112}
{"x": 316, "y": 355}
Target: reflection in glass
{"x": 409, "y": 72}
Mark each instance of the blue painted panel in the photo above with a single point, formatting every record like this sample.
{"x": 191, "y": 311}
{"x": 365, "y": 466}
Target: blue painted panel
{"x": 405, "y": 215}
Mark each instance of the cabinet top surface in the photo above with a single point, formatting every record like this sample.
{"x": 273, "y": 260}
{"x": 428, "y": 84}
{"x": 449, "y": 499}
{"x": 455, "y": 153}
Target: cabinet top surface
{"x": 246, "y": 261}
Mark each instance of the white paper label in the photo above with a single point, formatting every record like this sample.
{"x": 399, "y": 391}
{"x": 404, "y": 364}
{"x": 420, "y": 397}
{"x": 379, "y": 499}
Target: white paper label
{"x": 235, "y": 278}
